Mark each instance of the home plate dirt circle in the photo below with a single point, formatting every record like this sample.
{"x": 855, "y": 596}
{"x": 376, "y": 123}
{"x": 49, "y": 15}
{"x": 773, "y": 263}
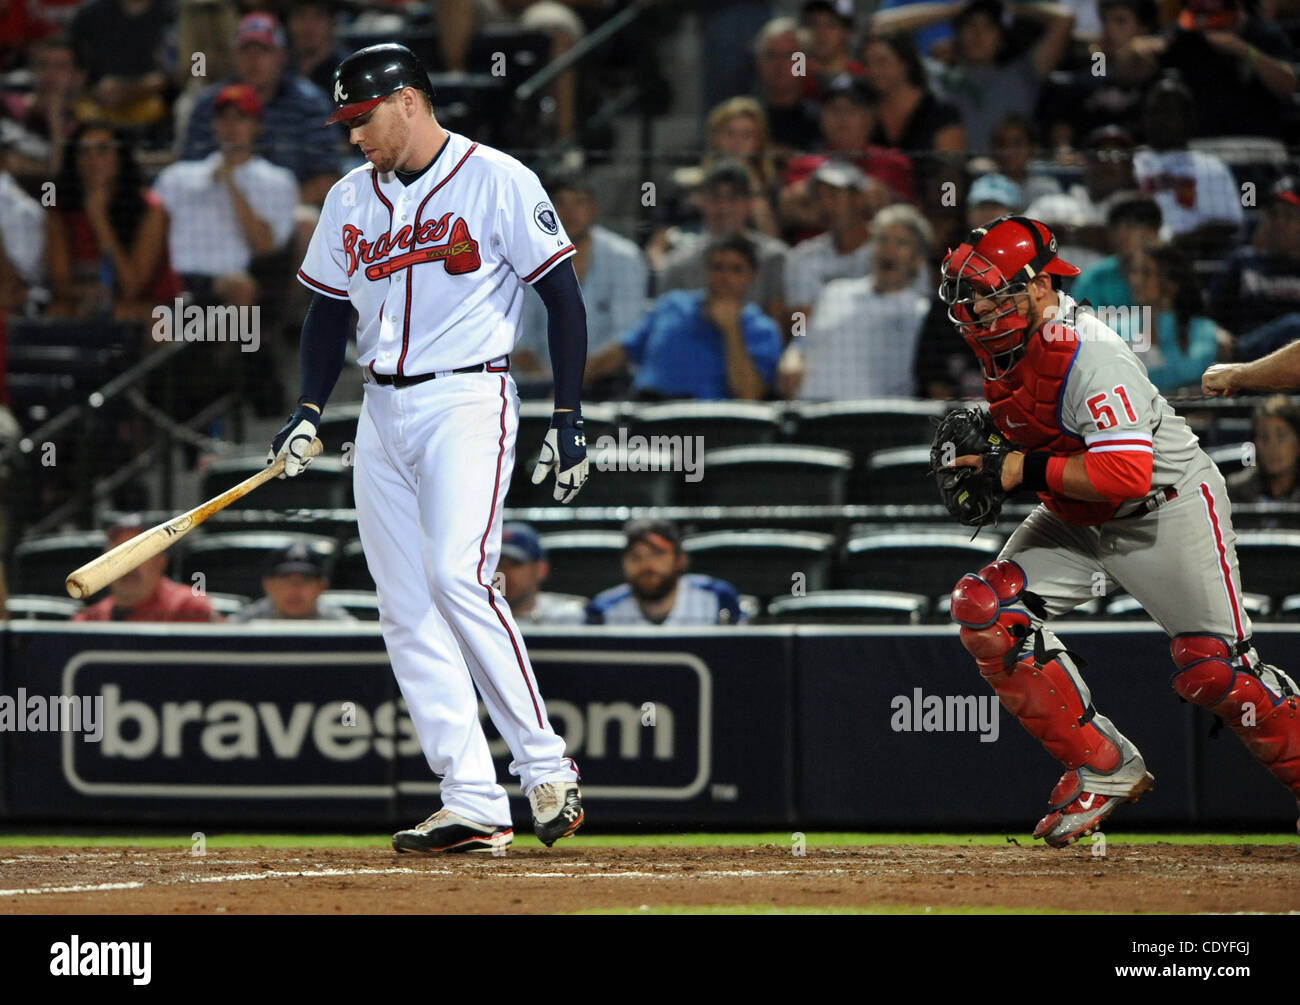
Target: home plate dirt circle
{"x": 1155, "y": 878}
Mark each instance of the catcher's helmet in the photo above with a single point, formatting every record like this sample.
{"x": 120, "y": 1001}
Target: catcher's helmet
{"x": 995, "y": 264}
{"x": 369, "y": 75}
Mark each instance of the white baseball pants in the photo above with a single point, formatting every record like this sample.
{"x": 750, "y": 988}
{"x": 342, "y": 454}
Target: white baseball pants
{"x": 433, "y": 463}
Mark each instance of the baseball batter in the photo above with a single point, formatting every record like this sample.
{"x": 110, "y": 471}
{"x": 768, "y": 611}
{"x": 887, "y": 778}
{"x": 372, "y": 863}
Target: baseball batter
{"x": 1127, "y": 497}
{"x": 432, "y": 241}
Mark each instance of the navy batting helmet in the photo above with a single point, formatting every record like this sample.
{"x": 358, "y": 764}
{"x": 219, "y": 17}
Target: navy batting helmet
{"x": 369, "y": 75}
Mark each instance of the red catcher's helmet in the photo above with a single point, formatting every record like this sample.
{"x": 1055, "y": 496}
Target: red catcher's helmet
{"x": 995, "y": 263}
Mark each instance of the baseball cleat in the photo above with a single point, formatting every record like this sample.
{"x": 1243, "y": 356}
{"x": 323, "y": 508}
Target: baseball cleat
{"x": 1076, "y": 812}
{"x": 446, "y": 833}
{"x": 557, "y": 810}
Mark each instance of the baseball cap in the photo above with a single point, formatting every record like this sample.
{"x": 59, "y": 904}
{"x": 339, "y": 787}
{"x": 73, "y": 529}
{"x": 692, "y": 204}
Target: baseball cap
{"x": 842, "y": 9}
{"x": 299, "y": 557}
{"x": 726, "y": 171}
{"x": 520, "y": 543}
{"x": 848, "y": 86}
{"x": 260, "y": 28}
{"x": 840, "y": 174}
{"x": 239, "y": 96}
{"x": 660, "y": 534}
{"x": 996, "y": 188}
{"x": 1287, "y": 189}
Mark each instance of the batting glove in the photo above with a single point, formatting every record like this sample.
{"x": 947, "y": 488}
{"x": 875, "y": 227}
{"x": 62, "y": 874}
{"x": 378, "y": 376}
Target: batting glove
{"x": 292, "y": 441}
{"x": 564, "y": 451}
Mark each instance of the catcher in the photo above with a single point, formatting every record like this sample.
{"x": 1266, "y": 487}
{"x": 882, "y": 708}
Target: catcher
{"x": 1127, "y": 498}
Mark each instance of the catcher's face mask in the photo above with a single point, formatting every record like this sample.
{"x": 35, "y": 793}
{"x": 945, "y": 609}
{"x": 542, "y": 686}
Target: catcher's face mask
{"x": 985, "y": 283}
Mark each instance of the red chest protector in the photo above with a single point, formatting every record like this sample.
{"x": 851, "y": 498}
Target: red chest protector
{"x": 1024, "y": 407}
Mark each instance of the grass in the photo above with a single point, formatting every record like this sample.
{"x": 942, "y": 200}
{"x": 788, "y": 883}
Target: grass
{"x": 783, "y": 839}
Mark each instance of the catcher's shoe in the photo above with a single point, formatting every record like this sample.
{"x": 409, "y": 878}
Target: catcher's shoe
{"x": 448, "y": 832}
{"x": 557, "y": 810}
{"x": 1075, "y": 811}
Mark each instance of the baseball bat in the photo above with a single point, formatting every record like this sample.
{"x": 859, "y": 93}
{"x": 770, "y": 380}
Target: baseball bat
{"x": 102, "y": 570}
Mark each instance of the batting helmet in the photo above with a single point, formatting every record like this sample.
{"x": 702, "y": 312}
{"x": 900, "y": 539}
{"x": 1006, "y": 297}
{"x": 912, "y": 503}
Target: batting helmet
{"x": 369, "y": 75}
{"x": 995, "y": 264}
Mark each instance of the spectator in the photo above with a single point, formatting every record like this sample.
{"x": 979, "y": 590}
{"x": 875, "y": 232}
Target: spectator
{"x": 738, "y": 130}
{"x": 20, "y": 26}
{"x": 725, "y": 201}
{"x": 22, "y": 241}
{"x": 1092, "y": 95}
{"x": 829, "y": 24}
{"x": 1134, "y": 225}
{"x": 1273, "y": 478}
{"x": 848, "y": 118}
{"x": 293, "y": 581}
{"x": 120, "y": 43}
{"x": 707, "y": 344}
{"x": 991, "y": 196}
{"x": 610, "y": 268}
{"x": 1014, "y": 149}
{"x": 144, "y": 593}
{"x": 41, "y": 120}
{"x": 1198, "y": 196}
{"x": 847, "y": 200}
{"x": 985, "y": 82}
{"x": 106, "y": 237}
{"x": 1184, "y": 342}
{"x": 228, "y": 208}
{"x": 863, "y": 336}
{"x": 205, "y": 51}
{"x": 791, "y": 116}
{"x": 1237, "y": 65}
{"x": 1107, "y": 178}
{"x": 313, "y": 37}
{"x": 293, "y": 109}
{"x": 1257, "y": 295}
{"x": 523, "y": 569}
{"x": 908, "y": 115}
{"x": 658, "y": 590}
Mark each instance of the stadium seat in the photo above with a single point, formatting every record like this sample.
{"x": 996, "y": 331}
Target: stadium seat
{"x": 721, "y": 423}
{"x": 233, "y": 563}
{"x": 1128, "y": 606}
{"x": 849, "y": 607}
{"x": 868, "y": 425}
{"x": 41, "y": 564}
{"x": 900, "y": 477}
{"x": 338, "y": 426}
{"x": 31, "y": 607}
{"x": 351, "y": 571}
{"x": 773, "y": 475}
{"x": 764, "y": 563}
{"x": 326, "y": 483}
{"x": 914, "y": 561}
{"x": 227, "y": 604}
{"x": 598, "y": 421}
{"x": 1268, "y": 561}
{"x": 633, "y": 476}
{"x": 584, "y": 562}
{"x": 361, "y": 604}
{"x": 1289, "y": 608}
{"x": 1231, "y": 457}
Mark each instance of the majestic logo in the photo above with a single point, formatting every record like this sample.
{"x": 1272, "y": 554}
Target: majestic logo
{"x": 340, "y": 95}
{"x": 544, "y": 217}
{"x": 459, "y": 253}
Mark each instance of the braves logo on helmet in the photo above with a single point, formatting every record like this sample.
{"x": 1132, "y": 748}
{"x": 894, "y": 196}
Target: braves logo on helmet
{"x": 983, "y": 279}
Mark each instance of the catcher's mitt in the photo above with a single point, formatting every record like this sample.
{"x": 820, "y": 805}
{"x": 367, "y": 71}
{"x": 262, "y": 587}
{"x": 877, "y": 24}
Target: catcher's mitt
{"x": 973, "y": 496}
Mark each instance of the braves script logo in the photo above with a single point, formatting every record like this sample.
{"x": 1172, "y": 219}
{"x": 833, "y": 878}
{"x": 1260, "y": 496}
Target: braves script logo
{"x": 459, "y": 254}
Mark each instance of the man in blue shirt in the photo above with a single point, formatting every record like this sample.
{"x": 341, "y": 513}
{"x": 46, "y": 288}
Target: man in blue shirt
{"x": 706, "y": 344}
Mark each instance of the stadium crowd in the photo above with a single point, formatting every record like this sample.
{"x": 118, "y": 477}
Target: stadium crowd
{"x": 160, "y": 149}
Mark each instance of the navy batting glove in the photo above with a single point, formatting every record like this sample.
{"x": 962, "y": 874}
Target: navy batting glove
{"x": 564, "y": 451}
{"x": 293, "y": 439}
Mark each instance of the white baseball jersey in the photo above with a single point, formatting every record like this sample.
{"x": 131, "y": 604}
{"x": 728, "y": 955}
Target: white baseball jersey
{"x": 1192, "y": 188}
{"x": 701, "y": 600}
{"x": 436, "y": 269}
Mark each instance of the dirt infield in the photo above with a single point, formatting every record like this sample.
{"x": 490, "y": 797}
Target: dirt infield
{"x": 1159, "y": 878}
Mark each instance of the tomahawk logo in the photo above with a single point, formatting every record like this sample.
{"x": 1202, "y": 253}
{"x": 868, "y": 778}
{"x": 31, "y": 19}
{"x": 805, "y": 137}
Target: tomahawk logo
{"x": 75, "y": 958}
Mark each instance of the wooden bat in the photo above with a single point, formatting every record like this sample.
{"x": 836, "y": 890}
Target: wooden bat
{"x": 102, "y": 570}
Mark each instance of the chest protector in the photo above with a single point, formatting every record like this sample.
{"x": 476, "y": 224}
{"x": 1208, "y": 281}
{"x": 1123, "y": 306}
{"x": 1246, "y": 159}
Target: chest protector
{"x": 1024, "y": 406}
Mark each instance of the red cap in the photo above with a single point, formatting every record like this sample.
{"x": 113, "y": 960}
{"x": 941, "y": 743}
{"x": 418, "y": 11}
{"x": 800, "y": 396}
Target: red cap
{"x": 259, "y": 27}
{"x": 241, "y": 96}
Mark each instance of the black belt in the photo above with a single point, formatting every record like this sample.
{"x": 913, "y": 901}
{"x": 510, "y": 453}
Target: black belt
{"x": 402, "y": 380}
{"x": 1152, "y": 502}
